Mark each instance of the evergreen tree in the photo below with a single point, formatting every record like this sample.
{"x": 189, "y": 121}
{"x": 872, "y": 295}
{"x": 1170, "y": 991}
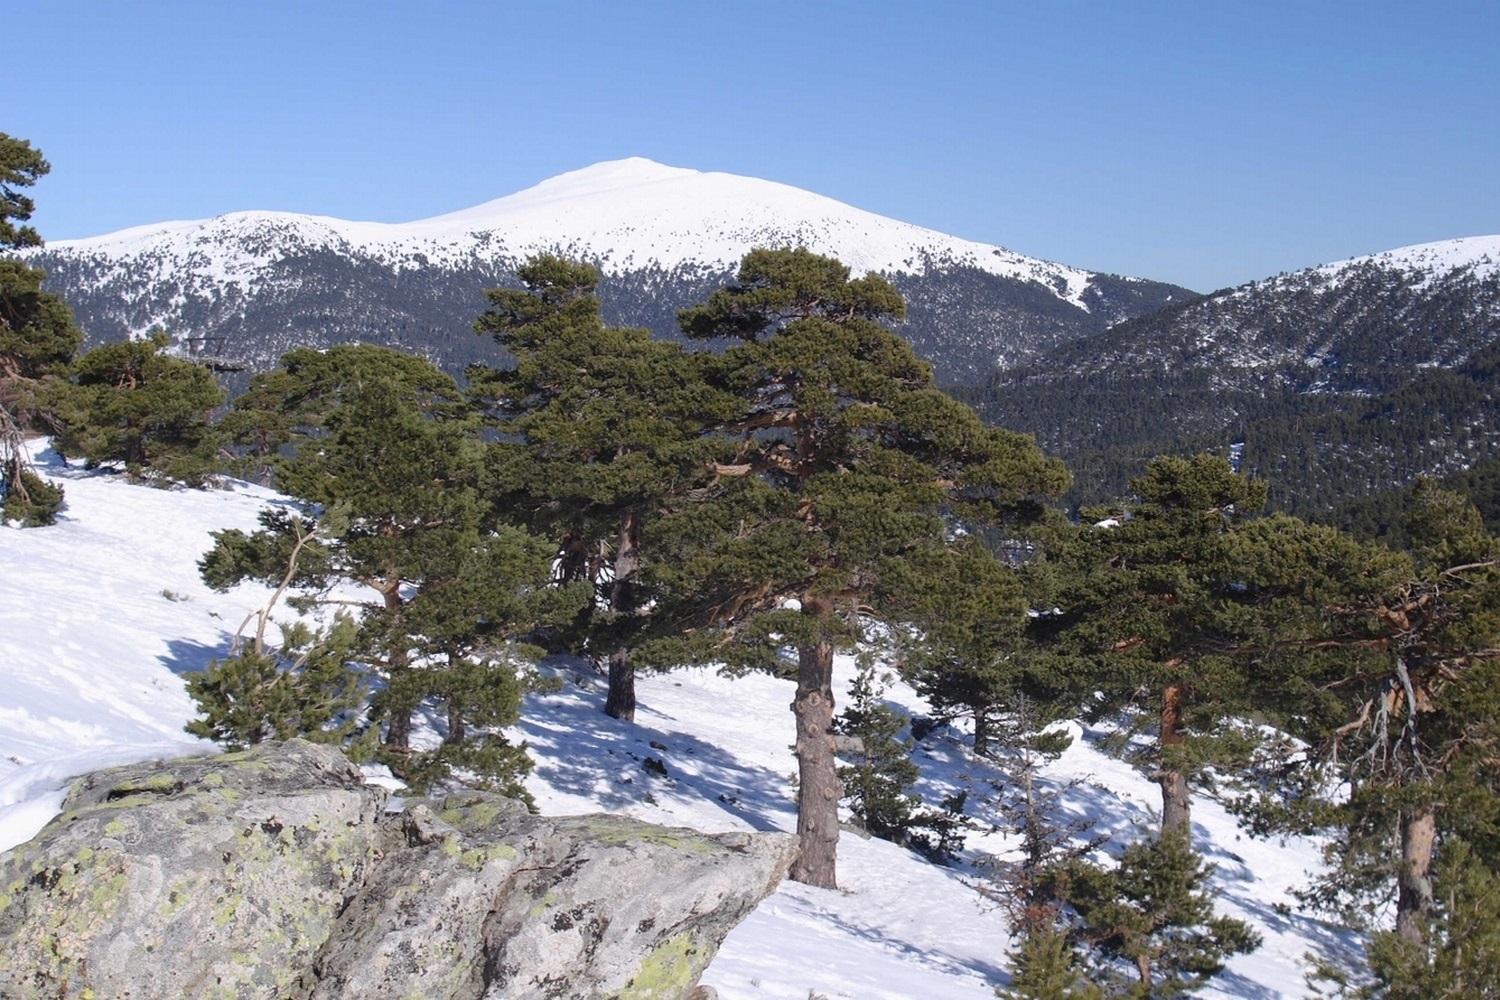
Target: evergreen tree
{"x": 37, "y": 340}
{"x": 601, "y": 425}
{"x": 846, "y": 453}
{"x": 37, "y": 335}
{"x": 299, "y": 687}
{"x": 134, "y": 404}
{"x": 1416, "y": 747}
{"x": 1458, "y": 955}
{"x": 392, "y": 454}
{"x": 1151, "y": 917}
{"x": 1045, "y": 965}
{"x": 880, "y": 769}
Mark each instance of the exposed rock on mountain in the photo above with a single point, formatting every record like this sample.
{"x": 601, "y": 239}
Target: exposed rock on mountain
{"x": 254, "y": 284}
{"x": 277, "y": 873}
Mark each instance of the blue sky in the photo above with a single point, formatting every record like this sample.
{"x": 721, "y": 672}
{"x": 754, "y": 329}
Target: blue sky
{"x": 1206, "y": 143}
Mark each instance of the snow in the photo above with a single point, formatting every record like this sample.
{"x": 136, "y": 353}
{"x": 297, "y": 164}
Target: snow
{"x": 1482, "y": 253}
{"x": 627, "y": 214}
{"x": 103, "y": 613}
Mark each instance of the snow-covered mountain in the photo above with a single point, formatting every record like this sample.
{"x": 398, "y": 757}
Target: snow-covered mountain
{"x": 102, "y": 619}
{"x": 663, "y": 236}
{"x": 1340, "y": 379}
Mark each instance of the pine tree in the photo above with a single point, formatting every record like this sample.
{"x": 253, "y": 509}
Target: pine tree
{"x": 37, "y": 341}
{"x": 132, "y": 403}
{"x": 1045, "y": 965}
{"x": 390, "y": 450}
{"x": 298, "y": 687}
{"x": 880, "y": 770}
{"x": 846, "y": 452}
{"x": 37, "y": 335}
{"x": 602, "y": 426}
{"x": 1458, "y": 954}
{"x": 1417, "y": 745}
{"x": 1151, "y": 917}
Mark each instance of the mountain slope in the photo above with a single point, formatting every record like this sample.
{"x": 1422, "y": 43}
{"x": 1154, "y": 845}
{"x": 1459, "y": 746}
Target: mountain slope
{"x": 80, "y": 690}
{"x": 1338, "y": 380}
{"x": 663, "y": 236}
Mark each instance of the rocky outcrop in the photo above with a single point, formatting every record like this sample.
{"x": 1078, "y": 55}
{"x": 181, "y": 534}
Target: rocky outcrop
{"x": 277, "y": 873}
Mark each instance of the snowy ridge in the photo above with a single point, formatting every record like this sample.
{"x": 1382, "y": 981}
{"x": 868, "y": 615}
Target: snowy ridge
{"x": 1481, "y": 253}
{"x": 1427, "y": 262}
{"x": 102, "y": 619}
{"x": 626, "y": 214}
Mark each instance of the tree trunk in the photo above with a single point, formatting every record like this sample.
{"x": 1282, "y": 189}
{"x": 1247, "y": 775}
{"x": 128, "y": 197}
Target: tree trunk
{"x": 398, "y": 732}
{"x": 1414, "y": 901}
{"x": 818, "y": 788}
{"x": 621, "y": 701}
{"x": 1176, "y": 809}
{"x": 457, "y": 729}
{"x": 981, "y": 730}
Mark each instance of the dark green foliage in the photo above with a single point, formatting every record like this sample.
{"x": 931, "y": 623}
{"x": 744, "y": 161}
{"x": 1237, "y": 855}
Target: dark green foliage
{"x": 880, "y": 770}
{"x": 390, "y": 450}
{"x": 305, "y": 686}
{"x": 1045, "y": 965}
{"x": 965, "y": 650}
{"x": 601, "y": 428}
{"x": 20, "y": 166}
{"x": 31, "y": 500}
{"x": 37, "y": 335}
{"x": 1150, "y": 920}
{"x": 37, "y": 341}
{"x": 1216, "y": 615}
{"x": 134, "y": 404}
{"x": 1460, "y": 956}
{"x": 846, "y": 459}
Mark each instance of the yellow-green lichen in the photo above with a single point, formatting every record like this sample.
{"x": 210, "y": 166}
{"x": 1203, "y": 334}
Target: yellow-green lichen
{"x": 612, "y": 832}
{"x": 667, "y": 971}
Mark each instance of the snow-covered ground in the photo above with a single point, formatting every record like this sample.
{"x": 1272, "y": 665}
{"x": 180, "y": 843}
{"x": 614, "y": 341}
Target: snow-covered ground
{"x": 101, "y": 614}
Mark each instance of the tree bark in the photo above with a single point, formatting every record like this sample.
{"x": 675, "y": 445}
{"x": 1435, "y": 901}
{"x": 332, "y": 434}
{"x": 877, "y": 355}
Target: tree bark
{"x": 1176, "y": 808}
{"x": 457, "y": 729}
{"x": 981, "y": 730}
{"x": 818, "y": 788}
{"x": 1414, "y": 902}
{"x": 398, "y": 732}
{"x": 621, "y": 701}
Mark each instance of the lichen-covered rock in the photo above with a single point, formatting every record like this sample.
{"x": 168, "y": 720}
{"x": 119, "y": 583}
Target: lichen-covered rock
{"x": 276, "y": 873}
{"x": 568, "y": 907}
{"x": 205, "y": 877}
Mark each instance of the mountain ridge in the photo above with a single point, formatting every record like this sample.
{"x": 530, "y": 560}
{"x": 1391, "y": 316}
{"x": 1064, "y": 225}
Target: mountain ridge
{"x": 663, "y": 237}
{"x": 1337, "y": 381}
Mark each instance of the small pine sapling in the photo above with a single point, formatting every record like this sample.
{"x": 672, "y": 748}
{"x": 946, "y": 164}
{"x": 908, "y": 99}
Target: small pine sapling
{"x": 1149, "y": 921}
{"x": 879, "y": 769}
{"x": 303, "y": 687}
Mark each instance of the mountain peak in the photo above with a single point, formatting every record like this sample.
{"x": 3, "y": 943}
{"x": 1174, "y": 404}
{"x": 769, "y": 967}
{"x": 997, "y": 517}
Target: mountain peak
{"x": 609, "y": 177}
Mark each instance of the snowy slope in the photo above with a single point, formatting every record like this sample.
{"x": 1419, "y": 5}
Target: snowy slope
{"x": 102, "y": 613}
{"x": 1479, "y": 254}
{"x": 627, "y": 214}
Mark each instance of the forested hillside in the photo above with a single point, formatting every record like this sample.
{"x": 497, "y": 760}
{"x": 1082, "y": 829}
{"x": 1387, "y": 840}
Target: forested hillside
{"x": 1337, "y": 382}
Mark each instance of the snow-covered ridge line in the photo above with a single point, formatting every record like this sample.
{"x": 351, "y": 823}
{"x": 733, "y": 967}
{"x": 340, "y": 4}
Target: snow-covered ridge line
{"x": 1482, "y": 253}
{"x": 629, "y": 214}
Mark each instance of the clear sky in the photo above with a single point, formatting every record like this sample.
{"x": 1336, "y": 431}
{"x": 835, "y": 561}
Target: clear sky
{"x": 1207, "y": 142}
